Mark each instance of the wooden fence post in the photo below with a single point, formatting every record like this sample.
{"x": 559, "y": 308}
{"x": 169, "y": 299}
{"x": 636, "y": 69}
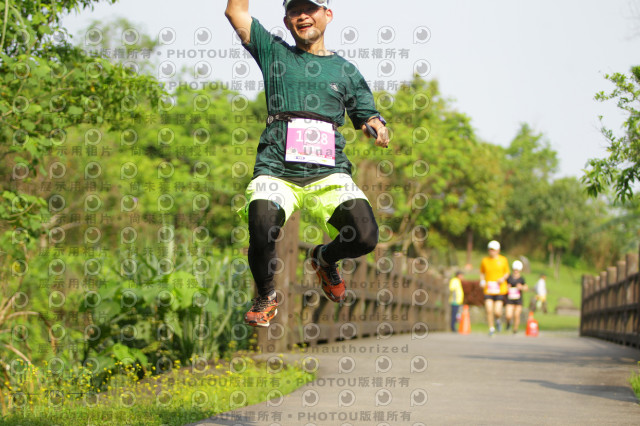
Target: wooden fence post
{"x": 635, "y": 297}
{"x": 611, "y": 303}
{"x": 585, "y": 292}
{"x": 602, "y": 301}
{"x": 590, "y": 305}
{"x": 593, "y": 303}
{"x": 632, "y": 264}
{"x": 612, "y": 279}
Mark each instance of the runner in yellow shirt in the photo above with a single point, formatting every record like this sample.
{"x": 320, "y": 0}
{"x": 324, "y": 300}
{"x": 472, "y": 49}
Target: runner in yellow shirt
{"x": 494, "y": 271}
{"x": 456, "y": 297}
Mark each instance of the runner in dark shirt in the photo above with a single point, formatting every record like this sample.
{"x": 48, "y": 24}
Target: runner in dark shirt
{"x": 517, "y": 286}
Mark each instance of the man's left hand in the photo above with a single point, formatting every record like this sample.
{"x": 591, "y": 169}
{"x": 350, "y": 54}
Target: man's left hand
{"x": 381, "y": 129}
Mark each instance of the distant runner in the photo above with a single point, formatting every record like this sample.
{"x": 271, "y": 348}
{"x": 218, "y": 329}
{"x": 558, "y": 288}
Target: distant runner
{"x": 301, "y": 160}
{"x": 494, "y": 271}
{"x": 541, "y": 294}
{"x": 456, "y": 298}
{"x": 517, "y": 286}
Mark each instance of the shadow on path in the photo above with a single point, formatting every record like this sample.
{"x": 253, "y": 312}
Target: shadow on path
{"x": 616, "y": 393}
{"x": 558, "y": 350}
{"x": 553, "y": 357}
{"x": 233, "y": 419}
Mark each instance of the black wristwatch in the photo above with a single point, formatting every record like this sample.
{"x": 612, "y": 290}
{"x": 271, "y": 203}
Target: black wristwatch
{"x": 379, "y": 117}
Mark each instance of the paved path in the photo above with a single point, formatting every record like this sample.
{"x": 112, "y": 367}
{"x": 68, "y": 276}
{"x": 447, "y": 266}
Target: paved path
{"x": 447, "y": 378}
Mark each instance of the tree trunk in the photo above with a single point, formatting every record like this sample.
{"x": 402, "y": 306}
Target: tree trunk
{"x": 469, "y": 248}
{"x": 558, "y": 263}
{"x": 43, "y": 240}
{"x": 551, "y": 257}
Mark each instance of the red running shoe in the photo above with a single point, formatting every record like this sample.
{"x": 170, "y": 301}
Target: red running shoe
{"x": 262, "y": 311}
{"x": 333, "y": 285}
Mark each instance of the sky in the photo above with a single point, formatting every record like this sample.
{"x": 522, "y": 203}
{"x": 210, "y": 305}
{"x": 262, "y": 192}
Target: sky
{"x": 501, "y": 62}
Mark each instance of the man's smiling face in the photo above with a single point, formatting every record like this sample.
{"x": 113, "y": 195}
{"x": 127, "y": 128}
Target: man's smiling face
{"x": 307, "y": 21}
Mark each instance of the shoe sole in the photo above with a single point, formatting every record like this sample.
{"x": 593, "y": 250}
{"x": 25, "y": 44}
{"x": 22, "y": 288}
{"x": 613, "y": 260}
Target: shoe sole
{"x": 330, "y": 299}
{"x": 262, "y": 324}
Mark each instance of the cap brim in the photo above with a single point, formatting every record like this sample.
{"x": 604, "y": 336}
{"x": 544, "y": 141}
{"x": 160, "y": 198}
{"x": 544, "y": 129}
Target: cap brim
{"x": 286, "y": 7}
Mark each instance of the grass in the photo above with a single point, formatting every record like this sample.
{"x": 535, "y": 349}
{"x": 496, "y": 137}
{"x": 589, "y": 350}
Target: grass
{"x": 181, "y": 396}
{"x": 546, "y": 322}
{"x": 634, "y": 381}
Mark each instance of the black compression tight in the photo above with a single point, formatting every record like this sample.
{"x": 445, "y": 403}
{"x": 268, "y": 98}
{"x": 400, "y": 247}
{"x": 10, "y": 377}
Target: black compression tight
{"x": 358, "y": 235}
{"x": 358, "y": 231}
{"x": 265, "y": 220}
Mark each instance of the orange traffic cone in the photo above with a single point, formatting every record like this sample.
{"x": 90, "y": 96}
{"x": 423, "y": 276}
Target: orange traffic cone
{"x": 465, "y": 321}
{"x": 532, "y": 326}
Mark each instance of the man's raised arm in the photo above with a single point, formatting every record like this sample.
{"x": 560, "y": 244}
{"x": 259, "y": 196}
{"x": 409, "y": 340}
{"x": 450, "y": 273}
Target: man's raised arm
{"x": 237, "y": 13}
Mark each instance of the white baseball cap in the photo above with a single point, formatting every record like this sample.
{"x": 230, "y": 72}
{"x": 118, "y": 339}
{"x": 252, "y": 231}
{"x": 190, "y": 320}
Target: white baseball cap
{"x": 493, "y": 245}
{"x": 517, "y": 265}
{"x": 321, "y": 3}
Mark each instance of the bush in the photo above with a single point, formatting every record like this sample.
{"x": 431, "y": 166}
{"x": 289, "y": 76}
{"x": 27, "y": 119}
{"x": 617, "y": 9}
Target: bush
{"x": 148, "y": 317}
{"x": 634, "y": 380}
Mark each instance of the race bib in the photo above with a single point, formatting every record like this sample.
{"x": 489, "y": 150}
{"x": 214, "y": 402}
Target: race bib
{"x": 514, "y": 293}
{"x": 310, "y": 141}
{"x": 493, "y": 287}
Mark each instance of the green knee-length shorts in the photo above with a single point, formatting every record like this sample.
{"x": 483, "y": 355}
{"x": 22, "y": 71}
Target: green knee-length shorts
{"x": 319, "y": 199}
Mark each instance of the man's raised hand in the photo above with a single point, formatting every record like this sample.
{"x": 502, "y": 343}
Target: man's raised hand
{"x": 237, "y": 13}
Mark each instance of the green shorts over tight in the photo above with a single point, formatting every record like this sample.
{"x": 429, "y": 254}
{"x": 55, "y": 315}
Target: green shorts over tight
{"x": 319, "y": 199}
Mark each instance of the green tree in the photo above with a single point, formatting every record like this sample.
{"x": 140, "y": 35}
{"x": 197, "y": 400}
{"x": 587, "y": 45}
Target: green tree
{"x": 530, "y": 163}
{"x": 616, "y": 231}
{"x": 437, "y": 180}
{"x": 621, "y": 169}
{"x": 563, "y": 203}
{"x": 48, "y": 89}
{"x": 576, "y": 227}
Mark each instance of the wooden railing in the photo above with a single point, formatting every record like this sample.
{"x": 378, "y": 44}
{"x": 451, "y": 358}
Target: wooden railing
{"x": 393, "y": 295}
{"x": 611, "y": 303}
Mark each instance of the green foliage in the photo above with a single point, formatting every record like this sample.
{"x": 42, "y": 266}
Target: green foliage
{"x": 634, "y": 380}
{"x": 621, "y": 169}
{"x": 624, "y": 226}
{"x": 153, "y": 317}
{"x": 186, "y": 394}
{"x": 56, "y": 101}
{"x": 441, "y": 179}
{"x": 530, "y": 164}
{"x": 446, "y": 185}
{"x": 553, "y": 217}
{"x": 48, "y": 88}
{"x": 148, "y": 319}
{"x": 33, "y": 26}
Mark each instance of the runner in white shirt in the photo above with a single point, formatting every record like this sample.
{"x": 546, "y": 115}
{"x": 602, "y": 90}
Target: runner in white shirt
{"x": 541, "y": 293}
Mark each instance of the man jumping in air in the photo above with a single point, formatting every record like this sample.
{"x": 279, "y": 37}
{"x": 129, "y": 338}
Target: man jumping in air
{"x": 300, "y": 160}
